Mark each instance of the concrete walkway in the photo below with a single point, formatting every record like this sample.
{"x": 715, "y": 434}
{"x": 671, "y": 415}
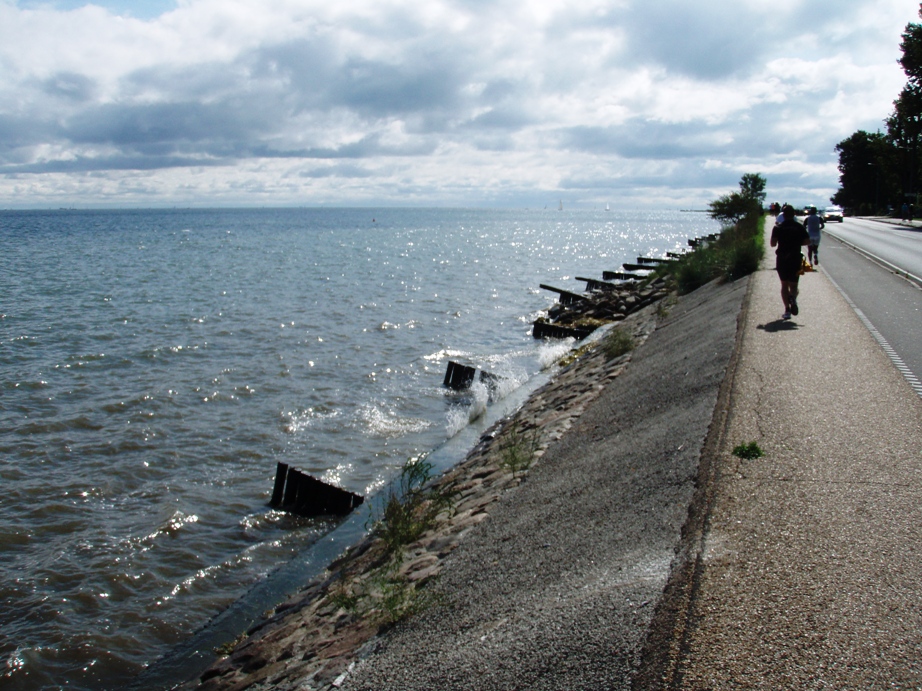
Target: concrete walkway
{"x": 809, "y": 572}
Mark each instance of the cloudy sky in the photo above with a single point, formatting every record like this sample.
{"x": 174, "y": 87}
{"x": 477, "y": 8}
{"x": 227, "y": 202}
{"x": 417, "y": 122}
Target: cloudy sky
{"x": 635, "y": 103}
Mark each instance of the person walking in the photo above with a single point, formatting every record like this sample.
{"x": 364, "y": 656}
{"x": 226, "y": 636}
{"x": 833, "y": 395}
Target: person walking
{"x": 814, "y": 224}
{"x": 789, "y": 236}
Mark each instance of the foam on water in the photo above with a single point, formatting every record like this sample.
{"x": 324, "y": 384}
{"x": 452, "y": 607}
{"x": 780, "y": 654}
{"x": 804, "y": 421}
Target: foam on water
{"x": 552, "y": 351}
{"x": 378, "y": 421}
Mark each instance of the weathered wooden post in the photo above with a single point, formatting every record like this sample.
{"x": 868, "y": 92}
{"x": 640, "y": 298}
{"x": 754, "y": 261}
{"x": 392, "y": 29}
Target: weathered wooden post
{"x": 291, "y": 487}
{"x": 544, "y": 330}
{"x": 564, "y": 296}
{"x": 303, "y": 494}
{"x": 281, "y": 473}
{"x": 620, "y": 276}
{"x": 458, "y": 376}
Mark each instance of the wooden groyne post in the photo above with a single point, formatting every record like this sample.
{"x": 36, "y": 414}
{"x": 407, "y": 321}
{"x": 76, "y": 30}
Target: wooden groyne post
{"x": 621, "y": 276}
{"x": 654, "y": 260}
{"x": 636, "y": 267}
{"x": 300, "y": 493}
{"x": 565, "y": 296}
{"x": 460, "y": 377}
{"x": 542, "y": 329}
{"x": 594, "y": 285}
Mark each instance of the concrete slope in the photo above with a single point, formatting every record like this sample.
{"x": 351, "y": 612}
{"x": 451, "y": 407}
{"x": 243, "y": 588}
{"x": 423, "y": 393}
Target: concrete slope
{"x": 558, "y": 588}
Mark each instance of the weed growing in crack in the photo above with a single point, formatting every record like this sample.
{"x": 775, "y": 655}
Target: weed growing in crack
{"x": 398, "y": 598}
{"x": 227, "y": 648}
{"x": 665, "y": 306}
{"x": 342, "y": 596}
{"x": 384, "y": 595}
{"x": 748, "y": 451}
{"x": 410, "y": 507}
{"x": 517, "y": 448}
{"x": 617, "y": 343}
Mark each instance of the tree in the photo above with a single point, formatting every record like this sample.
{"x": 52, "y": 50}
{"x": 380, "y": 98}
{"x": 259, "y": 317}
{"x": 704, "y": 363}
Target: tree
{"x": 885, "y": 169}
{"x": 752, "y": 185}
{"x": 911, "y": 45}
{"x": 733, "y": 207}
{"x": 904, "y": 127}
{"x": 868, "y": 172}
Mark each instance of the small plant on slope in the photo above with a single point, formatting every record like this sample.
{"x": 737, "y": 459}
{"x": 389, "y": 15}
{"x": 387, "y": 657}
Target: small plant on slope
{"x": 748, "y": 451}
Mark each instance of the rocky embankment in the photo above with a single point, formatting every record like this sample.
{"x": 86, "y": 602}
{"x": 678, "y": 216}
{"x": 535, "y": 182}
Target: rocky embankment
{"x": 314, "y": 639}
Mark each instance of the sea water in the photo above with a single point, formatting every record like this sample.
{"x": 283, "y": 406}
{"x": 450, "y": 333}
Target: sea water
{"x": 156, "y": 365}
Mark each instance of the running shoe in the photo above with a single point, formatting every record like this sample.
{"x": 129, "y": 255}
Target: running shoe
{"x": 794, "y": 309}
{"x": 786, "y": 315}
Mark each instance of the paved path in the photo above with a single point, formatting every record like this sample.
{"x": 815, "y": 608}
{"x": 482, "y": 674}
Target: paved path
{"x": 810, "y": 574}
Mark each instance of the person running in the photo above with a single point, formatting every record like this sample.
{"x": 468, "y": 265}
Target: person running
{"x": 814, "y": 224}
{"x": 789, "y": 236}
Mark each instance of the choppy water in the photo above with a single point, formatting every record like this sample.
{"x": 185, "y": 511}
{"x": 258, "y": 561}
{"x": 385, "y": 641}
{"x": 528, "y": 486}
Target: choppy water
{"x": 155, "y": 365}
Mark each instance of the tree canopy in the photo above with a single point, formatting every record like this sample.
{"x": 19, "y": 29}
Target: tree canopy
{"x": 876, "y": 170}
{"x": 752, "y": 186}
{"x": 733, "y": 207}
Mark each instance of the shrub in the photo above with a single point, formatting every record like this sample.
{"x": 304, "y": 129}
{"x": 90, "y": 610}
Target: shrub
{"x": 409, "y": 508}
{"x": 736, "y": 252}
{"x": 517, "y": 448}
{"x": 617, "y": 343}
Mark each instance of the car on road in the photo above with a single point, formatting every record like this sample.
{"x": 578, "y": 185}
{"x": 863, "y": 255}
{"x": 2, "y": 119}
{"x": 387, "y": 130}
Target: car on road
{"x": 832, "y": 213}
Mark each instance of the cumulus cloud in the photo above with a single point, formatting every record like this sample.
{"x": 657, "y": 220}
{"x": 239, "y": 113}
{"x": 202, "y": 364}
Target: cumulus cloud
{"x": 441, "y": 102}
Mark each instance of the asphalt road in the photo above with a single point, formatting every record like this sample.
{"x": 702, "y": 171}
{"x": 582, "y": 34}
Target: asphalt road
{"x": 889, "y": 304}
{"x": 895, "y": 244}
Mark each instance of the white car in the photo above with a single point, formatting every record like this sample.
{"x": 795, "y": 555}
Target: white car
{"x": 832, "y": 213}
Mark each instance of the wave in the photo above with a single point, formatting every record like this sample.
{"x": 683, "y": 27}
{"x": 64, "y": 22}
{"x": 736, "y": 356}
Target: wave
{"x": 384, "y": 423}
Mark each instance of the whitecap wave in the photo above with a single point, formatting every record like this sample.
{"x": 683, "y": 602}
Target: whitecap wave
{"x": 444, "y": 354}
{"x": 460, "y": 416}
{"x": 551, "y": 351}
{"x": 386, "y": 423}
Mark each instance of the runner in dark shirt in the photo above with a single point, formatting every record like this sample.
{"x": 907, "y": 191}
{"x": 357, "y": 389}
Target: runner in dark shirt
{"x": 789, "y": 236}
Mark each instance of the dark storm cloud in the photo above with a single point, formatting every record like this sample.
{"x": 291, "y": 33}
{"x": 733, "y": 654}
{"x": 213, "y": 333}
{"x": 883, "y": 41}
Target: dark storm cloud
{"x": 212, "y": 129}
{"x": 17, "y": 132}
{"x": 374, "y": 89}
{"x": 313, "y": 73}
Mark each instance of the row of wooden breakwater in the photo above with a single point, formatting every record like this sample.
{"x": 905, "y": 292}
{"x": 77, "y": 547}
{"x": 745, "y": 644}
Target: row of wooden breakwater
{"x": 576, "y": 315}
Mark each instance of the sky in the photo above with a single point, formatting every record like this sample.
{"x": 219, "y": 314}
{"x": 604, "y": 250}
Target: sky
{"x": 471, "y": 103}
